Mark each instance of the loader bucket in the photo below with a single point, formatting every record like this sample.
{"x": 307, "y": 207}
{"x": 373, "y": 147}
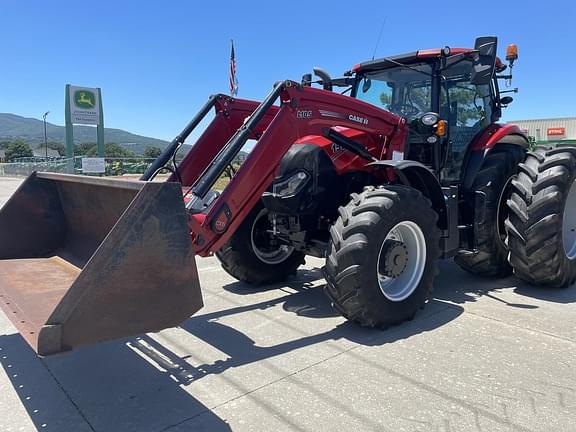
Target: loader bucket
{"x": 85, "y": 260}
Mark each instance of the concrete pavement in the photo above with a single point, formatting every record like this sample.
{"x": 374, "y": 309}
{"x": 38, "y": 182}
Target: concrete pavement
{"x": 485, "y": 355}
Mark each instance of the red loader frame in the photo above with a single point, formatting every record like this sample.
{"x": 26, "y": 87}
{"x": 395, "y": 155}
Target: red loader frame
{"x": 304, "y": 112}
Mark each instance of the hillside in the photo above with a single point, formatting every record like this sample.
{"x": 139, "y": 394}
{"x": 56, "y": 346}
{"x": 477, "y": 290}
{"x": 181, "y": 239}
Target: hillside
{"x": 31, "y": 131}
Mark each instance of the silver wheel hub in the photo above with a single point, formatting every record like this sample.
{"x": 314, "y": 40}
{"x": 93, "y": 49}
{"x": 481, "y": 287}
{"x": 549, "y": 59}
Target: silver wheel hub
{"x": 265, "y": 247}
{"x": 393, "y": 259}
{"x": 401, "y": 261}
{"x": 569, "y": 224}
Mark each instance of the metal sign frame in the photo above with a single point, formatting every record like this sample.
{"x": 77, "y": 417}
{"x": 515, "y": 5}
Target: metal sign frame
{"x": 70, "y": 125}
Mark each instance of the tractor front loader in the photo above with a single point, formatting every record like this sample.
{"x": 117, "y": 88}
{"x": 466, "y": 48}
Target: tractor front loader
{"x": 84, "y": 260}
{"x": 410, "y": 167}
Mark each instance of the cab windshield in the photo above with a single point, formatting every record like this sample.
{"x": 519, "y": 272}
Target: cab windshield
{"x": 402, "y": 91}
{"x": 408, "y": 93}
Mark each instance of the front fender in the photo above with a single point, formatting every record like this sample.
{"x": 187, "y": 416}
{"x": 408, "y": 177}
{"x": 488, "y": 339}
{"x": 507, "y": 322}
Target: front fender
{"x": 420, "y": 177}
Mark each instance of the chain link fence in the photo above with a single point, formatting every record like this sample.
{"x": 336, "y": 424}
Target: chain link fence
{"x": 113, "y": 166}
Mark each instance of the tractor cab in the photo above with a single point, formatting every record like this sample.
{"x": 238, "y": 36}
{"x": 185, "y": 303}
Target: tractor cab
{"x": 447, "y": 96}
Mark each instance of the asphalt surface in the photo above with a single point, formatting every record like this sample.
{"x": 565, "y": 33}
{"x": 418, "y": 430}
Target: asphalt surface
{"x": 484, "y": 355}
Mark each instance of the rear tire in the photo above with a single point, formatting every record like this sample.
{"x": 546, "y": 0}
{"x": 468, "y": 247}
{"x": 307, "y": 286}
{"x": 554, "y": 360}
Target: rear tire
{"x": 383, "y": 256}
{"x": 541, "y": 224}
{"x": 493, "y": 180}
{"x": 251, "y": 255}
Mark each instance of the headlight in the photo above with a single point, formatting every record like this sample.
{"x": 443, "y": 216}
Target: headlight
{"x": 429, "y": 119}
{"x": 291, "y": 186}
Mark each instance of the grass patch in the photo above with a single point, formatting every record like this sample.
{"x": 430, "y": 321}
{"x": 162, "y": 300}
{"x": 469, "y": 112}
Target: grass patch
{"x": 222, "y": 182}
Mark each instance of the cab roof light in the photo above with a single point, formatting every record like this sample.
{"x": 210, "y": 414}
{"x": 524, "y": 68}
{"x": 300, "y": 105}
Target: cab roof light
{"x": 512, "y": 53}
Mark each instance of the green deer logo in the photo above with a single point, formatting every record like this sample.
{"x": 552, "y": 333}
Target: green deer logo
{"x": 84, "y": 99}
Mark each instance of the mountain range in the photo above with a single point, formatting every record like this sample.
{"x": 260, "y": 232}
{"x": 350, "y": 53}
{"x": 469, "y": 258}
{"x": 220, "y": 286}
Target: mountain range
{"x": 31, "y": 131}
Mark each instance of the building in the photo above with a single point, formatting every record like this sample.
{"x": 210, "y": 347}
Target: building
{"x": 549, "y": 130}
{"x": 40, "y": 153}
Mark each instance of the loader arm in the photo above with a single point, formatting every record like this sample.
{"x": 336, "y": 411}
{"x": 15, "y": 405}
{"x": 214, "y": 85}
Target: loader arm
{"x": 303, "y": 111}
{"x": 229, "y": 113}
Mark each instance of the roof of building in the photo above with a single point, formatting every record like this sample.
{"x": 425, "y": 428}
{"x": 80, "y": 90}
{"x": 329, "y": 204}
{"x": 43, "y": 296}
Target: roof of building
{"x": 41, "y": 152}
{"x": 570, "y": 119}
{"x": 563, "y": 128}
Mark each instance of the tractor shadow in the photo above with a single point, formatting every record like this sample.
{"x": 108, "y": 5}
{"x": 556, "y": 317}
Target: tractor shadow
{"x": 306, "y": 293}
{"x": 108, "y": 388}
{"x": 457, "y": 286}
{"x": 142, "y": 384}
{"x": 139, "y": 384}
{"x": 303, "y": 279}
{"x": 556, "y": 295}
{"x": 240, "y": 349}
{"x": 303, "y": 296}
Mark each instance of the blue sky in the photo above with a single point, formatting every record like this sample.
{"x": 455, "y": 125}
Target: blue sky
{"x": 157, "y": 62}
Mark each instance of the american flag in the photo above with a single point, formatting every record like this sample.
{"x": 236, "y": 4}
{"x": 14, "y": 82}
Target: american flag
{"x": 233, "y": 79}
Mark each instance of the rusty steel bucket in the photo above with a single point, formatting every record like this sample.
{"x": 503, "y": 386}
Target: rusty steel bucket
{"x": 85, "y": 260}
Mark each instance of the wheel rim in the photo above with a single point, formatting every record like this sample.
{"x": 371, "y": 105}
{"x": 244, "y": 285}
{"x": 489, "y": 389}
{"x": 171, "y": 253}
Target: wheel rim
{"x": 401, "y": 261}
{"x": 263, "y": 243}
{"x": 569, "y": 223}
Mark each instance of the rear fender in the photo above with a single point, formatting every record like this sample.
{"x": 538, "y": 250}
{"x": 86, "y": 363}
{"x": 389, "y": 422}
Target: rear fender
{"x": 484, "y": 145}
{"x": 494, "y": 134}
{"x": 418, "y": 176}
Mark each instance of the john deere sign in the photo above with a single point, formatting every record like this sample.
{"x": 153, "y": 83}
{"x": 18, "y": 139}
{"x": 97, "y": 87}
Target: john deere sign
{"x": 84, "y": 99}
{"x": 84, "y": 106}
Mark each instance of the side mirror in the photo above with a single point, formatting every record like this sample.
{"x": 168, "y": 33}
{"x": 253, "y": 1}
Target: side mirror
{"x": 506, "y": 100}
{"x": 485, "y": 60}
{"x": 366, "y": 85}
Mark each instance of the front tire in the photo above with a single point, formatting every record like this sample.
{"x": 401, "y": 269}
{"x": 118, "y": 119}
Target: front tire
{"x": 382, "y": 256}
{"x": 253, "y": 256}
{"x": 542, "y": 219}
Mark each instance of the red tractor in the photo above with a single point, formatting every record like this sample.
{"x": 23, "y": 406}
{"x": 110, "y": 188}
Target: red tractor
{"x": 407, "y": 165}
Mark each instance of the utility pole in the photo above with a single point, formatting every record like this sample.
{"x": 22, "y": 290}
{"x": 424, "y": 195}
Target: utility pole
{"x": 45, "y": 137}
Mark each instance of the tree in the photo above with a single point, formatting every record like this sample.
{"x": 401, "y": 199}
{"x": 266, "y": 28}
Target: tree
{"x": 112, "y": 150}
{"x": 84, "y": 148}
{"x": 18, "y": 149}
{"x": 469, "y": 104}
{"x": 385, "y": 99}
{"x": 152, "y": 152}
